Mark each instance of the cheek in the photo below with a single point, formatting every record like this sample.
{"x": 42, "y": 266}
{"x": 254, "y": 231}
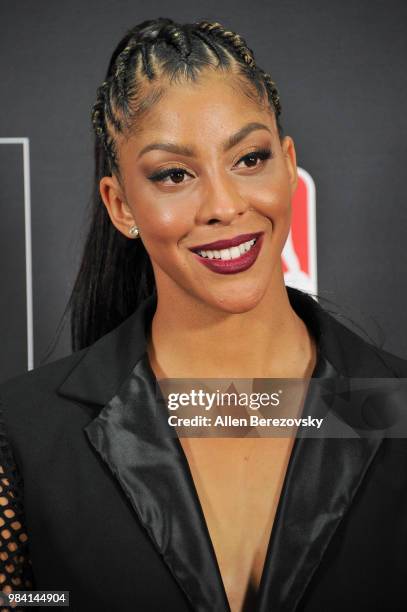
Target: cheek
{"x": 163, "y": 221}
{"x": 271, "y": 197}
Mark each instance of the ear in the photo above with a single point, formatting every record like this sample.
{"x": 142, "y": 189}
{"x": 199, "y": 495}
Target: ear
{"x": 114, "y": 199}
{"x": 290, "y": 157}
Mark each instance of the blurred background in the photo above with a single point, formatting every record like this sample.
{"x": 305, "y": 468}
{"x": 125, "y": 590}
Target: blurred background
{"x": 341, "y": 71}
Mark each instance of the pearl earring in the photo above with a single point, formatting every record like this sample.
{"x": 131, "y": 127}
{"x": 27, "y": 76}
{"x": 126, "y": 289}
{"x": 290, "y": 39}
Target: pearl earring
{"x": 134, "y": 231}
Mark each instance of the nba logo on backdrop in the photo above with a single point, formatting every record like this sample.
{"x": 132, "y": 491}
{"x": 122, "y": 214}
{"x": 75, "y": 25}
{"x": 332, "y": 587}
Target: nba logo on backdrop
{"x": 300, "y": 250}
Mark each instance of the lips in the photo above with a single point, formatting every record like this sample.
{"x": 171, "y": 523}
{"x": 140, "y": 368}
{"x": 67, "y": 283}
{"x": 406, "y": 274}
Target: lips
{"x": 231, "y": 263}
{"x": 225, "y": 244}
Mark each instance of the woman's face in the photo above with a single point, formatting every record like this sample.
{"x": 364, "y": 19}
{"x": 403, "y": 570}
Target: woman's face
{"x": 207, "y": 165}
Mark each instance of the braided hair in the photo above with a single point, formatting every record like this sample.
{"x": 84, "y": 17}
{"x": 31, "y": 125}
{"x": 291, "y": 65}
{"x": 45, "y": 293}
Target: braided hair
{"x": 115, "y": 274}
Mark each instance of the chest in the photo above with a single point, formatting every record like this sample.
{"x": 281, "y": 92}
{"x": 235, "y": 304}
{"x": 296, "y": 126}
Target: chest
{"x": 238, "y": 482}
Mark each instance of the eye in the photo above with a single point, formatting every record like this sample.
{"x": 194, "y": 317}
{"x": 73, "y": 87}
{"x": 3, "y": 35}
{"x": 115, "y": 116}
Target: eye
{"x": 175, "y": 174}
{"x": 254, "y": 156}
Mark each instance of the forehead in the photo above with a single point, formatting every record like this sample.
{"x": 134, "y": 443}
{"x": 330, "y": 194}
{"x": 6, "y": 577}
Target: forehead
{"x": 216, "y": 102}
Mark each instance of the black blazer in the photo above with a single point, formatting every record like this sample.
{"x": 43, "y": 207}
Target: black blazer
{"x": 113, "y": 516}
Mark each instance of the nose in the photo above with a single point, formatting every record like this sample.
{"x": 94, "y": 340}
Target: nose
{"x": 221, "y": 201}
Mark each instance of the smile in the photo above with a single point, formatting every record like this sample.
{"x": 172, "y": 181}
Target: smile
{"x": 233, "y": 259}
{"x": 232, "y": 253}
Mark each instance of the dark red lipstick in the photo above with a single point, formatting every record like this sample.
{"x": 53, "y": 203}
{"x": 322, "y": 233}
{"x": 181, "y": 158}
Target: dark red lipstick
{"x": 236, "y": 264}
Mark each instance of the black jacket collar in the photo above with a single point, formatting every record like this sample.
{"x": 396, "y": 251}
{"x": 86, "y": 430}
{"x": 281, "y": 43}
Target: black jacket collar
{"x": 105, "y": 364}
{"x": 131, "y": 437}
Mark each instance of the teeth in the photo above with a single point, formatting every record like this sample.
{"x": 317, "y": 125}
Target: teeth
{"x": 232, "y": 253}
{"x": 226, "y": 254}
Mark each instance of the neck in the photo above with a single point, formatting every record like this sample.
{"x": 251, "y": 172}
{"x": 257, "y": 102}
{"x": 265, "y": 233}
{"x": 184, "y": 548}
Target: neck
{"x": 193, "y": 340}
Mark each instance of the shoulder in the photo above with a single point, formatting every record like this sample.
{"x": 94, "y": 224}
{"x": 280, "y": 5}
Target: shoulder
{"x": 360, "y": 356}
{"x": 41, "y": 381}
{"x": 351, "y": 353}
{"x": 32, "y": 413}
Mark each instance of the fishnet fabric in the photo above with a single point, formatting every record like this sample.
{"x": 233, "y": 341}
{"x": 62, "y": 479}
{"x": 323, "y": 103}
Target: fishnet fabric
{"x": 15, "y": 564}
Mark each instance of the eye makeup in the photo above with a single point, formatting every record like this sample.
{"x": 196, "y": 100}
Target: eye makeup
{"x": 262, "y": 154}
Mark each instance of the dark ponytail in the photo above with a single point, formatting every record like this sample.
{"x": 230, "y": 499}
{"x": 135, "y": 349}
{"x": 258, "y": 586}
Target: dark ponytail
{"x": 115, "y": 273}
{"x": 114, "y": 276}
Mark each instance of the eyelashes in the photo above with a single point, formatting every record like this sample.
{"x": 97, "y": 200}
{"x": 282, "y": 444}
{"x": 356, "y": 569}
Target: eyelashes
{"x": 178, "y": 172}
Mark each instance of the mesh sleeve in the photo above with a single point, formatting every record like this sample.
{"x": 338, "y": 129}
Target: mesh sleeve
{"x": 15, "y": 564}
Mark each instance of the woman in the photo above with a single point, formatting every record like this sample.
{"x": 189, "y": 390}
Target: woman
{"x": 182, "y": 278}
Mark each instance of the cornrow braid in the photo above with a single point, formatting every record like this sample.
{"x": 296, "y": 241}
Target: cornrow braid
{"x": 180, "y": 39}
{"x": 232, "y": 39}
{"x": 98, "y": 114}
{"x": 122, "y": 60}
{"x": 100, "y": 111}
{"x": 240, "y": 48}
{"x": 272, "y": 92}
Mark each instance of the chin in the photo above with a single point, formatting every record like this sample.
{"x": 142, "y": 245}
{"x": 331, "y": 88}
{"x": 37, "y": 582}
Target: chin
{"x": 238, "y": 302}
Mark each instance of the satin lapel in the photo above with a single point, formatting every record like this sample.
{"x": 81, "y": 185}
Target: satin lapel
{"x": 322, "y": 479}
{"x": 132, "y": 435}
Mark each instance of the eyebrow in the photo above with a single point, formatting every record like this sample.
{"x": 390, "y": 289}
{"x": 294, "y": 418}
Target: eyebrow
{"x": 190, "y": 152}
